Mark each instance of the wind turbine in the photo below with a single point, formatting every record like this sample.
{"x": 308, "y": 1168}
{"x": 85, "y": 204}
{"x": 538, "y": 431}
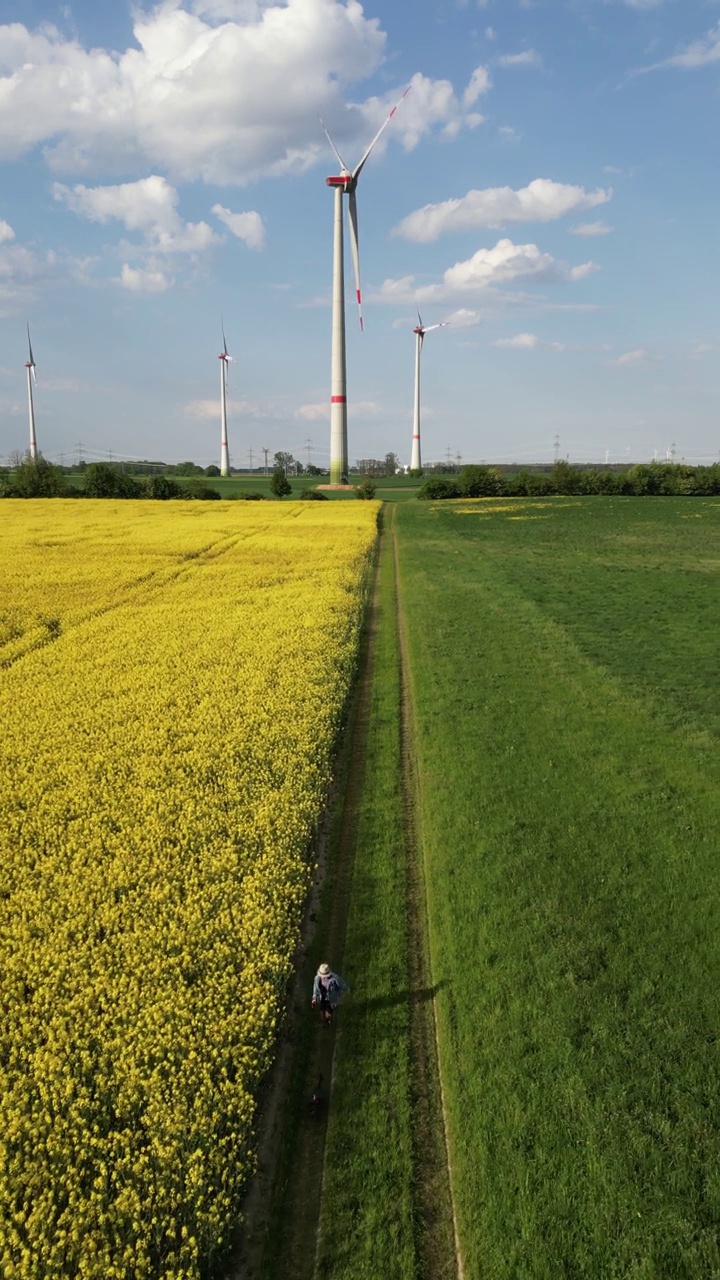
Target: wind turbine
{"x": 224, "y": 359}
{"x": 30, "y": 366}
{"x": 345, "y": 182}
{"x": 420, "y": 330}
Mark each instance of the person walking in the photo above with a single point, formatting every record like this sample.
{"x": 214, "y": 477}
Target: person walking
{"x": 328, "y": 991}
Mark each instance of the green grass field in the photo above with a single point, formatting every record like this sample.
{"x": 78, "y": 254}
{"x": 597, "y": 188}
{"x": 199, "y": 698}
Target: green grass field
{"x": 389, "y": 488}
{"x": 564, "y": 672}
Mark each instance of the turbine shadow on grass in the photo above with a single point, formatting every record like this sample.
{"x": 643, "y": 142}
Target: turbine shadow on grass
{"x": 400, "y": 997}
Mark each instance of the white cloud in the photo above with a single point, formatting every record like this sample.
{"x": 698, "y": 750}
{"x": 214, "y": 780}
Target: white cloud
{"x": 246, "y": 226}
{"x": 528, "y": 58}
{"x": 225, "y": 92}
{"x": 506, "y": 263}
{"x": 149, "y": 205}
{"x": 366, "y": 409}
{"x": 6, "y": 231}
{"x": 22, "y": 272}
{"x": 429, "y": 104}
{"x": 209, "y": 409}
{"x": 704, "y": 348}
{"x": 699, "y": 54}
{"x": 630, "y": 358}
{"x": 478, "y": 84}
{"x": 527, "y": 342}
{"x": 321, "y": 412}
{"x": 542, "y": 200}
{"x": 599, "y": 228}
{"x": 143, "y": 279}
{"x": 582, "y": 271}
{"x": 464, "y": 318}
{"x": 490, "y": 33}
{"x": 313, "y": 412}
{"x": 521, "y": 341}
{"x": 138, "y": 205}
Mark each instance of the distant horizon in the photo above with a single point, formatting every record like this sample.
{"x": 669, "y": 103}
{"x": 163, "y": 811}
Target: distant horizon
{"x": 520, "y": 464}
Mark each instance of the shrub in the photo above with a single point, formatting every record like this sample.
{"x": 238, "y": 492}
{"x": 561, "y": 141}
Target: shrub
{"x": 244, "y": 496}
{"x": 366, "y": 489}
{"x": 564, "y": 478}
{"x": 435, "y": 488}
{"x": 516, "y": 484}
{"x": 479, "y": 482}
{"x": 198, "y": 489}
{"x": 104, "y": 480}
{"x": 162, "y": 487}
{"x": 279, "y": 483}
{"x": 538, "y": 484}
{"x": 187, "y": 469}
{"x": 593, "y": 481}
{"x": 37, "y": 478}
{"x": 312, "y": 495}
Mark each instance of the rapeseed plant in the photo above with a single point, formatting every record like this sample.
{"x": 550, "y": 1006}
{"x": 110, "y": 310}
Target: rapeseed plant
{"x": 166, "y": 754}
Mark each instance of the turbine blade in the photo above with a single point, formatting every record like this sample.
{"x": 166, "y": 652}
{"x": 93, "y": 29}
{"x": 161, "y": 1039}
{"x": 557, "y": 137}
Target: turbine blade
{"x": 419, "y": 317}
{"x": 429, "y": 328}
{"x": 355, "y": 247}
{"x": 222, "y": 326}
{"x": 32, "y": 362}
{"x": 341, "y": 162}
{"x": 356, "y": 171}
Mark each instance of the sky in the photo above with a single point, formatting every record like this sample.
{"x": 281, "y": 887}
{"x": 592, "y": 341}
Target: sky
{"x": 548, "y": 188}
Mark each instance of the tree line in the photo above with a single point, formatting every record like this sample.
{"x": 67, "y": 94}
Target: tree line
{"x": 662, "y": 478}
{"x": 38, "y": 478}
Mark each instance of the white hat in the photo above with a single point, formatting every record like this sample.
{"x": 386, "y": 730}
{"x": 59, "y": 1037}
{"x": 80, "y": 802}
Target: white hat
{"x": 324, "y": 970}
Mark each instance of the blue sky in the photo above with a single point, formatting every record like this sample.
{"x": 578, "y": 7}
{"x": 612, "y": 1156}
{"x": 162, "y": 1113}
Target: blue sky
{"x": 549, "y": 186}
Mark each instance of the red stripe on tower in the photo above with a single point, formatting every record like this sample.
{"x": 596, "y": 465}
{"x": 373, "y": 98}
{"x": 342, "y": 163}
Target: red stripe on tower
{"x": 338, "y": 399}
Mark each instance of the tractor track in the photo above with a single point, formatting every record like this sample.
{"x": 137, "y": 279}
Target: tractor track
{"x": 281, "y": 1215}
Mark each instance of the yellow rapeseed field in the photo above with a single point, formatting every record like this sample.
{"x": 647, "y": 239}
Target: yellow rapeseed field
{"x": 173, "y": 676}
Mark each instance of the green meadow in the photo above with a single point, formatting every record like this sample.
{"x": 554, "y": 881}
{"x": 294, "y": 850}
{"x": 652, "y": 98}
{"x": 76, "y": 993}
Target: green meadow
{"x": 388, "y": 488}
{"x": 559, "y": 661}
{"x": 563, "y": 659}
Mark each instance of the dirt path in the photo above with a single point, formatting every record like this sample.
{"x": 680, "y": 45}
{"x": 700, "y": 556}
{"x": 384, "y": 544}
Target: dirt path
{"x": 288, "y": 1187}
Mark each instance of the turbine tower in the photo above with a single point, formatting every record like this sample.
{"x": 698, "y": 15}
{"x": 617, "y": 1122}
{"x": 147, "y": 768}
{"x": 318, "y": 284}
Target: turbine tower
{"x": 420, "y": 330}
{"x": 30, "y": 366}
{"x": 345, "y": 182}
{"x": 224, "y": 359}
